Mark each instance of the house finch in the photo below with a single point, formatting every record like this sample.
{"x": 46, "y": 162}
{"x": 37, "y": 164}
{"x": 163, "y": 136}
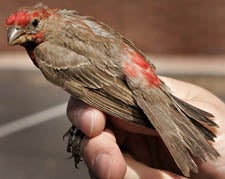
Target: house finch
{"x": 102, "y": 68}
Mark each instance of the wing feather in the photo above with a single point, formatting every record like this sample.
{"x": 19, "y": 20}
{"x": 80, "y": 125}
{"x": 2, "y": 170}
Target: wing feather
{"x": 85, "y": 81}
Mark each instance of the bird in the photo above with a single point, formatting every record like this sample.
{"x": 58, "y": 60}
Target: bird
{"x": 101, "y": 67}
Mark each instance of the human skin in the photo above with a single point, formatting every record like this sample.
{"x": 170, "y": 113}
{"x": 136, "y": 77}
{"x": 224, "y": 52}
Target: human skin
{"x": 115, "y": 149}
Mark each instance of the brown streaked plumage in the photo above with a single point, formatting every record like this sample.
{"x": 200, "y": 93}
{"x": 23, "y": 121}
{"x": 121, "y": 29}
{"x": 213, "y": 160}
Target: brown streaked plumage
{"x": 99, "y": 66}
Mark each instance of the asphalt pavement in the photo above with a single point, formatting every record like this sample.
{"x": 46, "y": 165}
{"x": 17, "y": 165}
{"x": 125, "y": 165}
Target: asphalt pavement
{"x": 36, "y": 150}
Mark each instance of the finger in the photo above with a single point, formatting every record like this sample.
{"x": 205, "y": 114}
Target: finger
{"x": 136, "y": 169}
{"x": 103, "y": 157}
{"x": 86, "y": 118}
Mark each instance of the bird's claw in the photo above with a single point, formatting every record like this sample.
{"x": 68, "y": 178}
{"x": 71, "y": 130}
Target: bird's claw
{"x": 75, "y": 137}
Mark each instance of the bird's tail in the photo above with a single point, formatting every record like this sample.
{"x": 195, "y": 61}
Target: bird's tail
{"x": 182, "y": 127}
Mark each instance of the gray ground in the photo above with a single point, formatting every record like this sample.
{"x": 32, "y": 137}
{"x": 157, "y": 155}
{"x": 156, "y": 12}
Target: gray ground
{"x": 38, "y": 152}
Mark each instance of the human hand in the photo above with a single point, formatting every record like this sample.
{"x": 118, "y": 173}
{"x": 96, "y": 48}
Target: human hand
{"x": 143, "y": 153}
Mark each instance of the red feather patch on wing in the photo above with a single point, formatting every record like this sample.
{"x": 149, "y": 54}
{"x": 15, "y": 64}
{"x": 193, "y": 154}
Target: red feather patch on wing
{"x": 138, "y": 59}
{"x": 138, "y": 67}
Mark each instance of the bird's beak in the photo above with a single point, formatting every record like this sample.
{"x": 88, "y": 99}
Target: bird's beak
{"x": 13, "y": 34}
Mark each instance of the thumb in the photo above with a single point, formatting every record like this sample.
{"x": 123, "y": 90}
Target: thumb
{"x": 86, "y": 118}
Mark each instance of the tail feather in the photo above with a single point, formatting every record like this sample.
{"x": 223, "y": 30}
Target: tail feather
{"x": 194, "y": 113}
{"x": 209, "y": 135}
{"x": 179, "y": 126}
{"x": 198, "y": 117}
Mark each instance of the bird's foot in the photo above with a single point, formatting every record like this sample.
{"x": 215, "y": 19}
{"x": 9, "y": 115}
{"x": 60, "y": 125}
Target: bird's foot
{"x": 75, "y": 137}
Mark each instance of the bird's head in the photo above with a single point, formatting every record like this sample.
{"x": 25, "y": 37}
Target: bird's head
{"x": 25, "y": 25}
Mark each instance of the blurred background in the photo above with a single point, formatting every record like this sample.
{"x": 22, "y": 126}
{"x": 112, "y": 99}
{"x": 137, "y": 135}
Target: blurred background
{"x": 185, "y": 40}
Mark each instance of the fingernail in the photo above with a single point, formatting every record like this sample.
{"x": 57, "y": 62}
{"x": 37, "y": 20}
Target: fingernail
{"x": 77, "y": 118}
{"x": 103, "y": 165}
{"x": 88, "y": 117}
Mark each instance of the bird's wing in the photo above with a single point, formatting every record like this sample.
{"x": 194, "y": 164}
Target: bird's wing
{"x": 82, "y": 79}
{"x": 175, "y": 120}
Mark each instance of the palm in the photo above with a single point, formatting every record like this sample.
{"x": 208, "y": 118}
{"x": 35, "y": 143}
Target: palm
{"x": 151, "y": 150}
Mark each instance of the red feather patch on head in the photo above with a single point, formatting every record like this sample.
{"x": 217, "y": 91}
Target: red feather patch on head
{"x": 23, "y": 17}
{"x": 20, "y": 18}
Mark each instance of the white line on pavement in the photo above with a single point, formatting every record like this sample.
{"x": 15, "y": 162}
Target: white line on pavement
{"x": 32, "y": 120}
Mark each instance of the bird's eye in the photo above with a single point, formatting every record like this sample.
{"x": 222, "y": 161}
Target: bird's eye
{"x": 35, "y": 22}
